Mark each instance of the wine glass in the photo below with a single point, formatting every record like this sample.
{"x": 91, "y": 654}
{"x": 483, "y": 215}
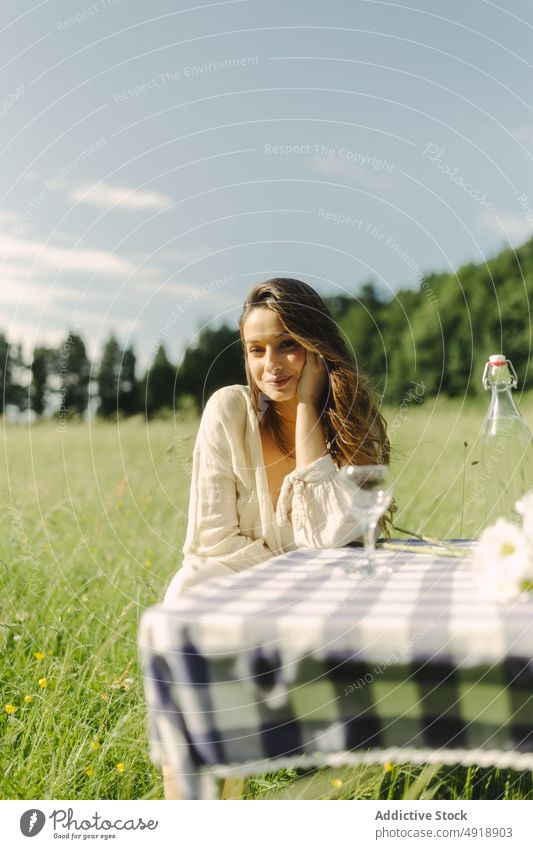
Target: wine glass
{"x": 371, "y": 495}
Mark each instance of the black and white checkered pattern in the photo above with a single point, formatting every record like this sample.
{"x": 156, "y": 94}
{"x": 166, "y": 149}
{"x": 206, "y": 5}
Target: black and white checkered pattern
{"x": 296, "y": 662}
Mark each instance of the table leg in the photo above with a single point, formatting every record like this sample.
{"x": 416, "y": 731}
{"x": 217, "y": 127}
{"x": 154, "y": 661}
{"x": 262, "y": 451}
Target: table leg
{"x": 232, "y": 788}
{"x": 170, "y": 783}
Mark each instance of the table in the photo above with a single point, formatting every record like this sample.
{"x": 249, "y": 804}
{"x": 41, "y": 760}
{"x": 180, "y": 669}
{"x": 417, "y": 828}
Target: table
{"x": 294, "y": 662}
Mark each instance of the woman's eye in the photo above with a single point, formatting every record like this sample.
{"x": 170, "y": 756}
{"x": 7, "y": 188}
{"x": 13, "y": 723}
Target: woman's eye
{"x": 287, "y": 343}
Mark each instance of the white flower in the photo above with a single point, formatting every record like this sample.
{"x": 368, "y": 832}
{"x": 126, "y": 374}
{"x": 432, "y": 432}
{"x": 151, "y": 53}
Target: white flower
{"x": 525, "y": 508}
{"x": 502, "y": 561}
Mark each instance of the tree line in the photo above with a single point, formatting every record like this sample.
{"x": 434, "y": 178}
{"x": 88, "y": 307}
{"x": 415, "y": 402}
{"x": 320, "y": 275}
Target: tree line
{"x": 437, "y": 337}
{"x": 63, "y": 382}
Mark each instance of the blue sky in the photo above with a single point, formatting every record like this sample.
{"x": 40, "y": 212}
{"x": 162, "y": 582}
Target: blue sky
{"x": 159, "y": 159}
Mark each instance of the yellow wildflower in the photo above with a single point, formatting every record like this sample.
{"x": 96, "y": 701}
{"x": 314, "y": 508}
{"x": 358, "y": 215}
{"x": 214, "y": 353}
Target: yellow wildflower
{"x": 89, "y": 771}
{"x": 148, "y": 564}
{"x": 95, "y": 745}
{"x": 39, "y": 655}
{"x": 121, "y": 767}
{"x": 388, "y": 766}
{"x": 28, "y": 699}
{"x": 336, "y": 783}
{"x": 10, "y": 709}
{"x": 43, "y": 682}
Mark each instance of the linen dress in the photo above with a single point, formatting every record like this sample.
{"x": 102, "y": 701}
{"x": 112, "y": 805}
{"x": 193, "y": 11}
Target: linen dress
{"x": 232, "y": 524}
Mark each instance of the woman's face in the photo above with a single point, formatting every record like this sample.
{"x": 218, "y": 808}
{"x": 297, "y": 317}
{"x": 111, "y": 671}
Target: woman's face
{"x": 272, "y": 354}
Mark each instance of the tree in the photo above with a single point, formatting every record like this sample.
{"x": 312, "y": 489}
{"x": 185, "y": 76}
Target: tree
{"x": 12, "y": 371}
{"x": 73, "y": 369}
{"x": 159, "y": 383}
{"x": 213, "y": 361}
{"x": 360, "y": 328}
{"x": 128, "y": 400}
{"x": 41, "y": 367}
{"x": 117, "y": 384}
{"x": 401, "y": 361}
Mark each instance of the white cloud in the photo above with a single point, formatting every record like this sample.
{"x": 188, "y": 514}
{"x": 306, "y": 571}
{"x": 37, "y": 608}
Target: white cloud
{"x": 30, "y": 294}
{"x": 51, "y": 329}
{"x": 8, "y": 219}
{"x": 29, "y": 333}
{"x": 524, "y": 134}
{"x": 29, "y": 288}
{"x": 514, "y": 228}
{"x": 70, "y": 259}
{"x": 107, "y": 195}
{"x": 12, "y": 270}
{"x": 104, "y": 322}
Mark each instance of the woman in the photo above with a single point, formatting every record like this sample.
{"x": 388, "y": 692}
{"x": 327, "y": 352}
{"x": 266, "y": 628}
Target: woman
{"x": 266, "y": 455}
{"x": 264, "y": 464}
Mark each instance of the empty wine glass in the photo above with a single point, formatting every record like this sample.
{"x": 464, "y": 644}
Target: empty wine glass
{"x": 371, "y": 497}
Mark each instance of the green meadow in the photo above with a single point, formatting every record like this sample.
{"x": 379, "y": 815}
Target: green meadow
{"x": 93, "y": 519}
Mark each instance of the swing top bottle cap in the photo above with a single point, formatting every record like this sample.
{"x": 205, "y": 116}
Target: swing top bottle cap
{"x": 499, "y": 371}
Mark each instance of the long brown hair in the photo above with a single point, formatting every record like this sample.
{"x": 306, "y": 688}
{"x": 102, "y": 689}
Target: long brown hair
{"x": 355, "y": 429}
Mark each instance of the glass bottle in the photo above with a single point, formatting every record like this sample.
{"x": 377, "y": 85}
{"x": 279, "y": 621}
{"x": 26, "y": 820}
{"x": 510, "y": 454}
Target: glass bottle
{"x": 507, "y": 451}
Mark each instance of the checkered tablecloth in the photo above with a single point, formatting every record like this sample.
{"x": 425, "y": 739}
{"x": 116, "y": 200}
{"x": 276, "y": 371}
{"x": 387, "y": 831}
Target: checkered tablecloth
{"x": 294, "y": 662}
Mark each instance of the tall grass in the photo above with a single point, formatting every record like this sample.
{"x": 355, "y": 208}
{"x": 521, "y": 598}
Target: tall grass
{"x": 92, "y": 522}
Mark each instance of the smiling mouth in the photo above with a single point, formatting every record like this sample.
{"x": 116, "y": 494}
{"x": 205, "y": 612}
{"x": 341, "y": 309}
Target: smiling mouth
{"x": 280, "y": 382}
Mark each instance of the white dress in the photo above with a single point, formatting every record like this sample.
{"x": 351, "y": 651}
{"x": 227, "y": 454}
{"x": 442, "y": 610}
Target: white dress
{"x": 231, "y": 521}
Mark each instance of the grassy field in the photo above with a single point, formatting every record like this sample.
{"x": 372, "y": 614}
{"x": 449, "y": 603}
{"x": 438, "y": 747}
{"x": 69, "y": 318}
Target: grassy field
{"x": 93, "y": 519}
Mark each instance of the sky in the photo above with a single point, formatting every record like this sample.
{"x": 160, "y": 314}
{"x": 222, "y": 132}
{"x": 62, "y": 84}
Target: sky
{"x": 160, "y": 159}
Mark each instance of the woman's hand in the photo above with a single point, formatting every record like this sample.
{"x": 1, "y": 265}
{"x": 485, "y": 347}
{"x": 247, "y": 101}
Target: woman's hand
{"x": 313, "y": 380}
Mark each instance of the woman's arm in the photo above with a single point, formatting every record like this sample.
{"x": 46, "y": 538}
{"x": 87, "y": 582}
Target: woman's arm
{"x": 214, "y": 535}
{"x": 215, "y": 543}
{"x": 321, "y": 504}
{"x": 310, "y": 441}
{"x": 320, "y": 499}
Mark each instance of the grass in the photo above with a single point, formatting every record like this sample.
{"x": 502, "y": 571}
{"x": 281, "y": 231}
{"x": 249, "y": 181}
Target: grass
{"x": 92, "y": 525}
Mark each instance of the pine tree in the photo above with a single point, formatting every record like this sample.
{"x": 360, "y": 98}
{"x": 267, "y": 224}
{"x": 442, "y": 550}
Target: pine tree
{"x": 159, "y": 383}
{"x": 128, "y": 400}
{"x": 73, "y": 369}
{"x": 117, "y": 385}
{"x": 12, "y": 373}
{"x": 213, "y": 361}
{"x": 108, "y": 378}
{"x": 41, "y": 367}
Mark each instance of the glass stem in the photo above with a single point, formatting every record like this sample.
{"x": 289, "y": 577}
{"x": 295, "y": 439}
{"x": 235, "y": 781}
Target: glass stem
{"x": 370, "y": 546}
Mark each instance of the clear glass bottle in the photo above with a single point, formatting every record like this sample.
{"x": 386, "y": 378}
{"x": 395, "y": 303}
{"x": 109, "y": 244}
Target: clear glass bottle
{"x": 506, "y": 445}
